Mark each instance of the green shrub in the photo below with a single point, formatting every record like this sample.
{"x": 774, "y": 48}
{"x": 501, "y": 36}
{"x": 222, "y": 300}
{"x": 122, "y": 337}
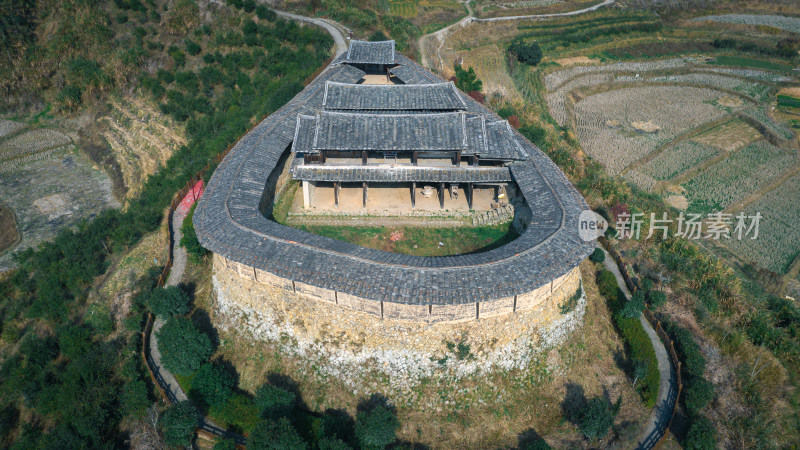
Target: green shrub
{"x": 597, "y": 256}
{"x": 192, "y": 47}
{"x": 212, "y": 384}
{"x": 168, "y": 301}
{"x": 641, "y": 349}
{"x": 134, "y": 398}
{"x": 178, "y": 423}
{"x": 183, "y": 347}
{"x": 535, "y": 134}
{"x": 277, "y": 435}
{"x": 607, "y": 284}
{"x": 378, "y": 36}
{"x": 189, "y": 239}
{"x": 273, "y": 401}
{"x": 570, "y": 303}
{"x": 701, "y": 435}
{"x": 239, "y": 412}
{"x": 699, "y": 393}
{"x": 74, "y": 341}
{"x": 70, "y": 97}
{"x": 375, "y": 429}
{"x": 597, "y": 417}
{"x": 633, "y": 308}
{"x": 656, "y": 298}
{"x": 467, "y": 80}
{"x": 264, "y": 13}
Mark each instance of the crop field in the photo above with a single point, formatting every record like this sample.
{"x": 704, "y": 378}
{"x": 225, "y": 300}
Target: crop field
{"x": 745, "y": 171}
{"x": 791, "y": 24}
{"x": 31, "y": 142}
{"x": 403, "y": 8}
{"x": 60, "y": 189}
{"x": 605, "y": 121}
{"x": 778, "y": 242}
{"x": 677, "y": 159}
{"x": 729, "y": 136}
{"x": 8, "y": 127}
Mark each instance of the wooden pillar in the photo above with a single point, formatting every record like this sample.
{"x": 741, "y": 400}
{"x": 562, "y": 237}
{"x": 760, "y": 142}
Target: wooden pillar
{"x": 470, "y": 194}
{"x": 364, "y": 188}
{"x": 441, "y": 195}
{"x": 458, "y": 158}
{"x": 413, "y": 194}
{"x": 363, "y": 157}
{"x": 336, "y": 193}
{"x": 414, "y": 158}
{"x": 475, "y": 160}
{"x": 322, "y": 156}
{"x": 305, "y": 158}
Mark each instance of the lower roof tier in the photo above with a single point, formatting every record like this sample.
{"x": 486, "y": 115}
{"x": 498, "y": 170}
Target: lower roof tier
{"x": 402, "y": 174}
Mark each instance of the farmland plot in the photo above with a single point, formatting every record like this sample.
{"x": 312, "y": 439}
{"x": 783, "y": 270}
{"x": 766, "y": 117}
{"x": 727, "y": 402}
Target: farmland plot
{"x": 785, "y": 23}
{"x": 8, "y": 127}
{"x": 778, "y": 242}
{"x": 674, "y": 109}
{"x": 677, "y": 159}
{"x": 49, "y": 194}
{"x": 743, "y": 172}
{"x": 31, "y": 142}
{"x": 729, "y": 136}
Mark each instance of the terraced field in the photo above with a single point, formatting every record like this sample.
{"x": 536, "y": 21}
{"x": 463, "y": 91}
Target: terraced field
{"x": 778, "y": 242}
{"x": 697, "y": 132}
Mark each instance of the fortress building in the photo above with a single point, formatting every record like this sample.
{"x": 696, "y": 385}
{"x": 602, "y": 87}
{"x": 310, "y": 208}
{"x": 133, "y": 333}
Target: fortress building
{"x": 375, "y": 128}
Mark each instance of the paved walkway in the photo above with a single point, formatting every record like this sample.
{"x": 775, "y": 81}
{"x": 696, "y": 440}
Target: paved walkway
{"x": 668, "y": 384}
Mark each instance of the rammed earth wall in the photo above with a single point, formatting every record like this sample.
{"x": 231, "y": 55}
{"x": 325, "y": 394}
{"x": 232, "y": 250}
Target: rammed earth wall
{"x": 345, "y": 336}
{"x": 540, "y": 300}
{"x": 351, "y": 342}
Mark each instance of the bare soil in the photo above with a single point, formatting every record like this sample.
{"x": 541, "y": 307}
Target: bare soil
{"x": 9, "y": 235}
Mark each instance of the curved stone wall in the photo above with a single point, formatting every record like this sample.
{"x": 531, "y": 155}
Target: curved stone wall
{"x": 346, "y": 337}
{"x": 278, "y": 289}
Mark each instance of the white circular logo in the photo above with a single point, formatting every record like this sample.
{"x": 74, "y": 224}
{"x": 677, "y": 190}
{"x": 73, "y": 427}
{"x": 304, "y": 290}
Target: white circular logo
{"x": 591, "y": 225}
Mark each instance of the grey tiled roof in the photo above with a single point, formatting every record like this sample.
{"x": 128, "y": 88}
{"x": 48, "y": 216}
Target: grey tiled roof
{"x": 407, "y": 132}
{"x": 228, "y": 222}
{"x": 364, "y": 52}
{"x": 402, "y": 174}
{"x": 408, "y": 74}
{"x": 427, "y": 97}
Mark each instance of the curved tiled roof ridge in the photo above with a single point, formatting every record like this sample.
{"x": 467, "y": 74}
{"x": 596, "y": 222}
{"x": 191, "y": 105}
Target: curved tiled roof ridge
{"x": 228, "y": 222}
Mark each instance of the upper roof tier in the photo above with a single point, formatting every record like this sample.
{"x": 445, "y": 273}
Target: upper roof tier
{"x": 384, "y": 97}
{"x": 364, "y": 52}
{"x": 229, "y": 222}
{"x": 452, "y": 131}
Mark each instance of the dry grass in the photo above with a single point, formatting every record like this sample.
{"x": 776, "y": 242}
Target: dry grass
{"x": 729, "y": 136}
{"x": 490, "y": 66}
{"x": 477, "y": 412}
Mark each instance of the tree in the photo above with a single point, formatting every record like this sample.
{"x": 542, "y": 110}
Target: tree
{"x": 213, "y": 384}
{"x": 597, "y": 256}
{"x": 273, "y": 401}
{"x": 182, "y": 346}
{"x": 529, "y": 53}
{"x": 178, "y": 423}
{"x": 467, "y": 80}
{"x": 277, "y": 435}
{"x": 699, "y": 393}
{"x": 134, "y": 398}
{"x": 264, "y": 13}
{"x": 189, "y": 239}
{"x": 168, "y": 302}
{"x": 701, "y": 435}
{"x": 225, "y": 444}
{"x": 376, "y": 428}
{"x": 598, "y": 417}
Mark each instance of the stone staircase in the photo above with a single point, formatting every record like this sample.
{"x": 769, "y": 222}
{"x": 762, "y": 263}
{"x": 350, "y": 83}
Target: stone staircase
{"x": 497, "y": 216}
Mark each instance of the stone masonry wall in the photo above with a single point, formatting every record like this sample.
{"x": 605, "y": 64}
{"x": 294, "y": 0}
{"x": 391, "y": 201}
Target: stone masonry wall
{"x": 352, "y": 337}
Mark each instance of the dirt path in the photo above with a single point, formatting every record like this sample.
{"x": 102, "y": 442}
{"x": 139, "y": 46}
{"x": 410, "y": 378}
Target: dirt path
{"x": 441, "y": 35}
{"x": 668, "y": 384}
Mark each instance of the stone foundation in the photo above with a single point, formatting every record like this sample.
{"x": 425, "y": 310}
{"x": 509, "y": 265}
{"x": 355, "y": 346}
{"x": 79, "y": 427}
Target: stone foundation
{"x": 352, "y": 337}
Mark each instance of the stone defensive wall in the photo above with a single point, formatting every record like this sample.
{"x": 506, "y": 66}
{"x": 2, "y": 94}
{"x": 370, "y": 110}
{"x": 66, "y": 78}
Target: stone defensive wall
{"x": 545, "y": 299}
{"x": 230, "y": 221}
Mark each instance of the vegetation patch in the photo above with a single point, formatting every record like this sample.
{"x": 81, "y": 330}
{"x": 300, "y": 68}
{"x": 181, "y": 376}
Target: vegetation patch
{"x": 421, "y": 241}
{"x": 9, "y": 235}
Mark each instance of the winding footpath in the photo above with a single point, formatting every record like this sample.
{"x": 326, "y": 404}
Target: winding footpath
{"x": 668, "y": 384}
{"x": 441, "y": 35}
